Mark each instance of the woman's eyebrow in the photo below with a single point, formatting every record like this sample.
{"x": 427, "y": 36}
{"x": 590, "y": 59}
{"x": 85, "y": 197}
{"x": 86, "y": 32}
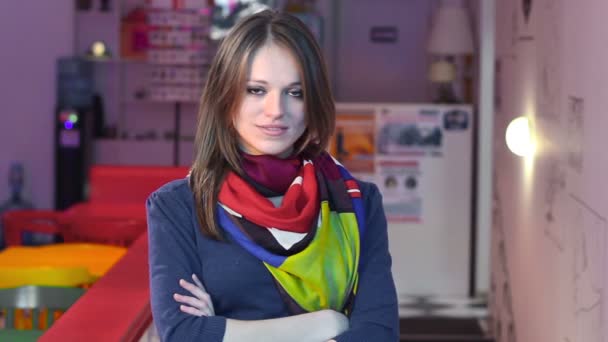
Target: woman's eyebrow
{"x": 296, "y": 83}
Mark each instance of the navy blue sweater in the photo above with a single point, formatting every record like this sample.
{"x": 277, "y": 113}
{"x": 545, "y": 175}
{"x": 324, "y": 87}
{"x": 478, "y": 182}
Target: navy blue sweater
{"x": 239, "y": 284}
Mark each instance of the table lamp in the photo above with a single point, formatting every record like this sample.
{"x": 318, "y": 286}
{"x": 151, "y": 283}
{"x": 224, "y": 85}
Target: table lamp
{"x": 450, "y": 36}
{"x": 443, "y": 73}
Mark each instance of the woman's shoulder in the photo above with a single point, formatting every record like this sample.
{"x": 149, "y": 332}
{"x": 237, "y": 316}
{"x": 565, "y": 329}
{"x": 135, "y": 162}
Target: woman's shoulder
{"x": 369, "y": 191}
{"x": 372, "y": 198}
{"x": 175, "y": 186}
{"x": 176, "y": 192}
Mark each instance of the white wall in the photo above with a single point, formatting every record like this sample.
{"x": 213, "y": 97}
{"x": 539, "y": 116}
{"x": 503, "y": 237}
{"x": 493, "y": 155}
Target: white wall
{"x": 33, "y": 34}
{"x": 550, "y": 232}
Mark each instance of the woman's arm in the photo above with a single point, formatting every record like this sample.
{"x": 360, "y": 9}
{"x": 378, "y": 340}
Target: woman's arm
{"x": 324, "y": 323}
{"x": 316, "y": 326}
{"x": 172, "y": 256}
{"x": 375, "y": 315}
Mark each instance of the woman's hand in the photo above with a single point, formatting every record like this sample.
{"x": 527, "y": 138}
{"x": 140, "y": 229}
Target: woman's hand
{"x": 197, "y": 305}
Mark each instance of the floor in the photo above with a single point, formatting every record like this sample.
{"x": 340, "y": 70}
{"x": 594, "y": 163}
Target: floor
{"x": 443, "y": 319}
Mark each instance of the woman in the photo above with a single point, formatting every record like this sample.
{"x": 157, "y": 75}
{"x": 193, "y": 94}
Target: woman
{"x": 268, "y": 238}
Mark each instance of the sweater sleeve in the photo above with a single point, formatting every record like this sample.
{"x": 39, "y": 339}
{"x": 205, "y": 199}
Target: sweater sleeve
{"x": 375, "y": 314}
{"x": 172, "y": 256}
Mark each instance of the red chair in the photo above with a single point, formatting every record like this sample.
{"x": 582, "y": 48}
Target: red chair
{"x": 129, "y": 184}
{"x": 118, "y": 232}
{"x": 114, "y": 213}
{"x": 18, "y": 222}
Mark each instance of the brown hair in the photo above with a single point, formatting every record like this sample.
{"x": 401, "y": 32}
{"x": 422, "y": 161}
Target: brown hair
{"x": 216, "y": 144}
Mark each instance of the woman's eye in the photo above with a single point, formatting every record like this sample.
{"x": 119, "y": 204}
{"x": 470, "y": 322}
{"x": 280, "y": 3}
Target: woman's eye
{"x": 295, "y": 93}
{"x": 255, "y": 90}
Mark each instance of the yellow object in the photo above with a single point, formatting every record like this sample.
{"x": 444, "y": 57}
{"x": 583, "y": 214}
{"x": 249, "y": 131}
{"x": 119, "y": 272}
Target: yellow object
{"x": 44, "y": 276}
{"x": 69, "y": 264}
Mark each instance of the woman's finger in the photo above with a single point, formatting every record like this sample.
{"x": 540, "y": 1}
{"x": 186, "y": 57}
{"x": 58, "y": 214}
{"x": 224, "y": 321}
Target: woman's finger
{"x": 191, "y": 311}
{"x": 191, "y": 301}
{"x": 199, "y": 292}
{"x": 194, "y": 303}
{"x": 198, "y": 282}
{"x": 200, "y": 285}
{"x": 195, "y": 290}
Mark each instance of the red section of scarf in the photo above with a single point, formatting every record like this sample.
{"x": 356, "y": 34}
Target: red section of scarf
{"x": 297, "y": 212}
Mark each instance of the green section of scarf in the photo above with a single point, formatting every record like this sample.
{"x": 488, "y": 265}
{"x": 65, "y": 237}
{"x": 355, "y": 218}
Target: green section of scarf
{"x": 324, "y": 275}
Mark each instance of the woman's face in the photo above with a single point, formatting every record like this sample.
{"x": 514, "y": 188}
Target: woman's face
{"x": 271, "y": 116}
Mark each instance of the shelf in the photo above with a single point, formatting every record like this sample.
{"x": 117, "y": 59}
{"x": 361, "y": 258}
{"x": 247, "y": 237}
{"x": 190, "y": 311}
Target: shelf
{"x": 127, "y": 73}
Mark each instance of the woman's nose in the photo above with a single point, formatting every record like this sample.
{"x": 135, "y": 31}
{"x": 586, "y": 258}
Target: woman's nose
{"x": 273, "y": 106}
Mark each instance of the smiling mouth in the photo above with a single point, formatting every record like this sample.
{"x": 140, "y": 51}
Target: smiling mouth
{"x": 273, "y": 130}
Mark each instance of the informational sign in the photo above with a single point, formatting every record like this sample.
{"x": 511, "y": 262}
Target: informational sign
{"x": 353, "y": 143}
{"x": 398, "y": 181}
{"x": 409, "y": 131}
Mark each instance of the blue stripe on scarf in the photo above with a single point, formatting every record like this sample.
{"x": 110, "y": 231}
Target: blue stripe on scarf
{"x": 357, "y": 205}
{"x": 245, "y": 242}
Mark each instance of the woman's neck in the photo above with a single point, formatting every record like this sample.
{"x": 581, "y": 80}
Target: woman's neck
{"x": 271, "y": 172}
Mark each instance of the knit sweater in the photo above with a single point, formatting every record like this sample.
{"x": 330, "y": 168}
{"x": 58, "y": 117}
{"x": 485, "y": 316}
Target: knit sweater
{"x": 239, "y": 284}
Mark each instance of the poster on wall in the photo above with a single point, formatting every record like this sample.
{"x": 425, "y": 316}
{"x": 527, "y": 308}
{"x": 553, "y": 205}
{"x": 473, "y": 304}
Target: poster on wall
{"x": 353, "y": 143}
{"x": 398, "y": 180}
{"x": 411, "y": 132}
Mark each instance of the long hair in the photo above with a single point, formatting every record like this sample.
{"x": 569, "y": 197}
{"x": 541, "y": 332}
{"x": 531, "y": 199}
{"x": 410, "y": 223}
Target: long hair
{"x": 216, "y": 143}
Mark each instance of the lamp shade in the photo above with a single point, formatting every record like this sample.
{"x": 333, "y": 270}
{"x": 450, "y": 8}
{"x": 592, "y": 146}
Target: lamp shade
{"x": 451, "y": 32}
{"x": 442, "y": 72}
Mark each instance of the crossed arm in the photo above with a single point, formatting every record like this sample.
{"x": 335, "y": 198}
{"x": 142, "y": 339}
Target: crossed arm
{"x": 324, "y": 324}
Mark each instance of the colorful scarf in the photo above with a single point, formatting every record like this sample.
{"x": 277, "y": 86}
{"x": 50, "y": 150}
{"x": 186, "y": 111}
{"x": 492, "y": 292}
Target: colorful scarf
{"x": 310, "y": 243}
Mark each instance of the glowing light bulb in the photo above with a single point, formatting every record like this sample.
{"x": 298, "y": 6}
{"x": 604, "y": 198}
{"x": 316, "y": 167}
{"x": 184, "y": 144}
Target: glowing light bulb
{"x": 519, "y": 138}
{"x": 98, "y": 49}
{"x": 73, "y": 118}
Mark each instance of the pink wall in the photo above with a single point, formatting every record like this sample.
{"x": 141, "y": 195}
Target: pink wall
{"x": 550, "y": 234}
{"x": 33, "y": 35}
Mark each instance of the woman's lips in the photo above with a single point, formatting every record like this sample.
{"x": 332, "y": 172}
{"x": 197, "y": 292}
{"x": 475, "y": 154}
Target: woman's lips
{"x": 273, "y": 130}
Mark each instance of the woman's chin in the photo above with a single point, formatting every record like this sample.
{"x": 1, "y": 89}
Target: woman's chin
{"x": 277, "y": 152}
{"x": 272, "y": 148}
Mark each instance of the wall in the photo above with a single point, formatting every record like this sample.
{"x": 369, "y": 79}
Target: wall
{"x": 33, "y": 34}
{"x": 550, "y": 229}
{"x": 397, "y": 73}
{"x": 365, "y": 71}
